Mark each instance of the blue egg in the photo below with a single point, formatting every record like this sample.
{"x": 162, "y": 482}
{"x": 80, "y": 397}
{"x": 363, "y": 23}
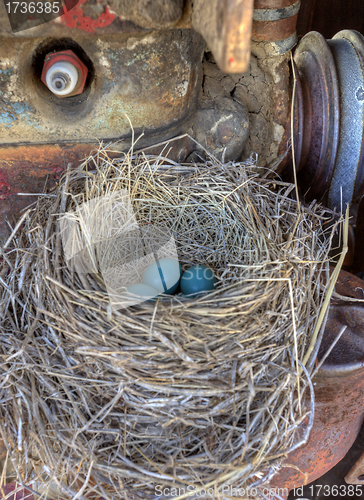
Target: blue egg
{"x": 164, "y": 275}
{"x": 197, "y": 279}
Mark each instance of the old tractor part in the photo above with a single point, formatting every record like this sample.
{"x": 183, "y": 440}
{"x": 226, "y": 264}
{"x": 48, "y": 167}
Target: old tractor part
{"x": 356, "y": 473}
{"x": 329, "y": 116}
{"x": 339, "y": 392}
{"x": 151, "y": 80}
{"x": 274, "y": 24}
{"x": 139, "y": 73}
{"x": 64, "y": 73}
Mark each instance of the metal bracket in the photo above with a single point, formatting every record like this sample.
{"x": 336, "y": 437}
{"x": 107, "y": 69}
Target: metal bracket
{"x": 356, "y": 473}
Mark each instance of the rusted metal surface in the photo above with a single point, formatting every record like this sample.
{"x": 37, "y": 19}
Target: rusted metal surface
{"x": 317, "y": 119}
{"x": 92, "y": 17}
{"x": 274, "y": 24}
{"x": 356, "y": 473}
{"x": 273, "y": 4}
{"x": 149, "y": 13}
{"x": 337, "y": 423}
{"x": 339, "y": 393}
{"x": 265, "y": 10}
{"x": 348, "y": 354}
{"x": 339, "y": 413}
{"x": 34, "y": 169}
{"x": 152, "y": 80}
{"x": 221, "y": 127}
{"x": 219, "y": 124}
{"x": 270, "y": 31}
{"x": 226, "y": 27}
{"x": 329, "y": 114}
{"x": 349, "y": 285}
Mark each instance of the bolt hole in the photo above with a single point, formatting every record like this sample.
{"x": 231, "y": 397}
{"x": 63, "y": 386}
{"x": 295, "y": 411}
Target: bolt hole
{"x": 71, "y": 104}
{"x": 361, "y": 477}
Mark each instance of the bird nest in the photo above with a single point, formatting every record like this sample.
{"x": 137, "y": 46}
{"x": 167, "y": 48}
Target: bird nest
{"x": 180, "y": 392}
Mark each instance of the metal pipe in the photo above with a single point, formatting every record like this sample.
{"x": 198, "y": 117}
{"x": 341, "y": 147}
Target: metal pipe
{"x": 274, "y": 22}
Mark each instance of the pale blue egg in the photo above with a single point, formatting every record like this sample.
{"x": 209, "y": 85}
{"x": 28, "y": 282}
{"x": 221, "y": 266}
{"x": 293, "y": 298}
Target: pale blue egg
{"x": 163, "y": 275}
{"x": 197, "y": 279}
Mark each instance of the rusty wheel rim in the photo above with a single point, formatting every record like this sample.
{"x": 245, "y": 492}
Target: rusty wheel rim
{"x": 319, "y": 126}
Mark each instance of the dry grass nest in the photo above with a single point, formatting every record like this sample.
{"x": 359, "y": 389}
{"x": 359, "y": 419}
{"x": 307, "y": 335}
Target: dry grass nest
{"x": 180, "y": 392}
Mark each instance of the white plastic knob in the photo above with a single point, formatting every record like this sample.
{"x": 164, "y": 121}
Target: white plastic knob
{"x": 62, "y": 78}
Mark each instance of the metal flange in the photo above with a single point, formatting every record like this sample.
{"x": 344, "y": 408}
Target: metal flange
{"x": 348, "y": 51}
{"x": 329, "y": 116}
{"x": 316, "y": 113}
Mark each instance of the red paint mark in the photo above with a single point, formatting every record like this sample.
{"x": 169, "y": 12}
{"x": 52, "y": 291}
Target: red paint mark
{"x": 15, "y": 492}
{"x": 57, "y": 169}
{"x": 4, "y": 186}
{"x": 75, "y": 18}
{"x": 57, "y": 172}
{"x": 231, "y": 60}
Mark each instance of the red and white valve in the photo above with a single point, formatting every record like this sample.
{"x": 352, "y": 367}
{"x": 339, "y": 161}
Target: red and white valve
{"x": 64, "y": 73}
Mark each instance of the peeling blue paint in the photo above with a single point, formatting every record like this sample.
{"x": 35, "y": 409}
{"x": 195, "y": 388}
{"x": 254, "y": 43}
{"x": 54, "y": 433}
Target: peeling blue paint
{"x": 147, "y": 53}
{"x": 113, "y": 56}
{"x": 21, "y": 107}
{"x": 7, "y": 118}
{"x": 5, "y": 74}
{"x": 14, "y": 111}
{"x": 107, "y": 85}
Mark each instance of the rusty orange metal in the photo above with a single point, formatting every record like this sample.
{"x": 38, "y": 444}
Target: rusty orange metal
{"x": 275, "y": 4}
{"x": 152, "y": 81}
{"x": 338, "y": 418}
{"x": 349, "y": 285}
{"x": 26, "y": 171}
{"x": 339, "y": 393}
{"x": 271, "y": 31}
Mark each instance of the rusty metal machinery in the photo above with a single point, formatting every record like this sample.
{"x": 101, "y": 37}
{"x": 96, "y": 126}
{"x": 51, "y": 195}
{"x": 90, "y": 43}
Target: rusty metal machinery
{"x": 339, "y": 393}
{"x": 158, "y": 79}
{"x": 214, "y": 72}
{"x": 329, "y": 117}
